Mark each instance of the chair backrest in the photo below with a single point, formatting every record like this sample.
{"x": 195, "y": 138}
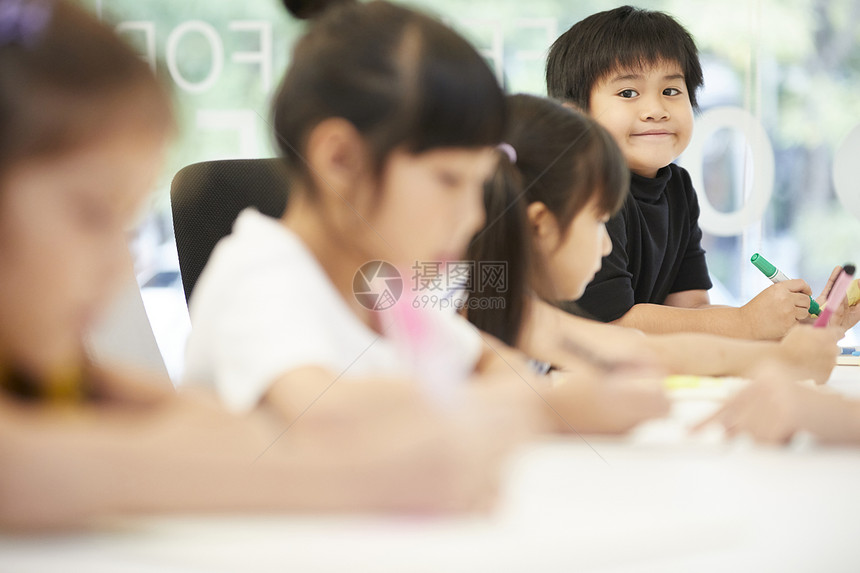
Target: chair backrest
{"x": 206, "y": 198}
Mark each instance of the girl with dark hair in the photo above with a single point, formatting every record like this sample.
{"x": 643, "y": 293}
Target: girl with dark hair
{"x": 559, "y": 179}
{"x": 83, "y": 127}
{"x": 387, "y": 121}
{"x": 564, "y": 169}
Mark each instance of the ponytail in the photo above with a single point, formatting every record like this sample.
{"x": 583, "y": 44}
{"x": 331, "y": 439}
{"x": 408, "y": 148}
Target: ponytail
{"x": 504, "y": 239}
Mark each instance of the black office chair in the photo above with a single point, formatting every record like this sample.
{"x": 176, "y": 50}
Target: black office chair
{"x": 207, "y": 197}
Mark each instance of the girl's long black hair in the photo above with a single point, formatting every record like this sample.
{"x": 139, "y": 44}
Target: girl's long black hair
{"x": 564, "y": 159}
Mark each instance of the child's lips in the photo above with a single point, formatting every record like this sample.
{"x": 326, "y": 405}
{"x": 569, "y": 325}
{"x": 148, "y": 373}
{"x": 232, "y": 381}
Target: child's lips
{"x": 654, "y": 133}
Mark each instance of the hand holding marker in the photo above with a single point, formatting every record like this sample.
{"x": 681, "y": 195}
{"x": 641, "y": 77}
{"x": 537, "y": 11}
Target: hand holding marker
{"x": 777, "y": 276}
{"x": 836, "y": 295}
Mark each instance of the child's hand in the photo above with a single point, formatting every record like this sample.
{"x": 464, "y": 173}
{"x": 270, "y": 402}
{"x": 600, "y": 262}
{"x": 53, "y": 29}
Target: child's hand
{"x": 810, "y": 352}
{"x": 777, "y": 308}
{"x": 769, "y": 409}
{"x": 774, "y": 407}
{"x": 844, "y": 317}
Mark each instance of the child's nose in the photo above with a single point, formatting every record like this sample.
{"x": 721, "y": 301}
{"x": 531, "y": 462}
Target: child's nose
{"x": 654, "y": 110}
{"x": 607, "y": 242}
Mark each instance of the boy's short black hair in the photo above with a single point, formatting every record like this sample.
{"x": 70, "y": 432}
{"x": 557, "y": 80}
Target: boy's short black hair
{"x": 623, "y": 38}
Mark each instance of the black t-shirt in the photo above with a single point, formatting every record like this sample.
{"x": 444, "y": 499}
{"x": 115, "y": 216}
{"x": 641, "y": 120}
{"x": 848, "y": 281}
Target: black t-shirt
{"x": 656, "y": 247}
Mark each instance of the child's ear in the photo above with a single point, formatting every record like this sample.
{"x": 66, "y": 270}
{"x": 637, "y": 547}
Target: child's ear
{"x": 541, "y": 220}
{"x": 337, "y": 156}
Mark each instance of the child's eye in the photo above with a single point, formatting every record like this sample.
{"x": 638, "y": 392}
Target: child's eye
{"x": 448, "y": 179}
{"x": 92, "y": 213}
{"x": 671, "y": 92}
{"x": 627, "y": 94}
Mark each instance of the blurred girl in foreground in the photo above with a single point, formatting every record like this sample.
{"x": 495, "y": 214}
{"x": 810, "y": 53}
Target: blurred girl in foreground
{"x": 83, "y": 128}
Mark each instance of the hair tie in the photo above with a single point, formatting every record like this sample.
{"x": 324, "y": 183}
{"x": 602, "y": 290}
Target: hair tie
{"x": 22, "y": 22}
{"x": 508, "y": 150}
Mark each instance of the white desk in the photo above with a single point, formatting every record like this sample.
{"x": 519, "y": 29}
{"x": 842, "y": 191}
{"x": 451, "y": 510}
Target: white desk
{"x": 657, "y": 501}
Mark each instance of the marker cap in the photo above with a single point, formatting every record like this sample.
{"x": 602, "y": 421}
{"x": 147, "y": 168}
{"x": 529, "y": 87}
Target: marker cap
{"x": 763, "y": 265}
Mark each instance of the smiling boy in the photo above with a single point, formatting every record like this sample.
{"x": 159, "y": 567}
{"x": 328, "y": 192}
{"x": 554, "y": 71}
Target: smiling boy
{"x": 637, "y": 73}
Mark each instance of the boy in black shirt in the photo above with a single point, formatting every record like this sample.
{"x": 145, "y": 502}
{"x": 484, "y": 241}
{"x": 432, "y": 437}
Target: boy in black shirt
{"x": 637, "y": 72}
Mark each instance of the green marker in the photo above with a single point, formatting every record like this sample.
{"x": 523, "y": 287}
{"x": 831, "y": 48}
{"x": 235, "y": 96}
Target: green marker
{"x": 777, "y": 276}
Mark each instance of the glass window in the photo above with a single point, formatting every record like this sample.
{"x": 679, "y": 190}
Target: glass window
{"x": 773, "y": 147}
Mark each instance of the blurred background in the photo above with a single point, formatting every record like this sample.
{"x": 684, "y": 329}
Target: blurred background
{"x": 772, "y": 154}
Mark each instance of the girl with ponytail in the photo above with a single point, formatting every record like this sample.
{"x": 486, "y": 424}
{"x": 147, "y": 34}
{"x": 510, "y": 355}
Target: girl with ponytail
{"x": 546, "y": 208}
{"x": 545, "y": 217}
{"x": 386, "y": 121}
{"x": 559, "y": 179}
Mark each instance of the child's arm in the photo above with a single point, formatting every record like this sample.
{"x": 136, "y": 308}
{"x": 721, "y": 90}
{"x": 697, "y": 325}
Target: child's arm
{"x": 773, "y": 408}
{"x": 768, "y": 316}
{"x": 547, "y": 327}
{"x": 810, "y": 350}
{"x": 65, "y": 467}
{"x": 582, "y": 397}
{"x": 605, "y": 405}
{"x": 185, "y": 453}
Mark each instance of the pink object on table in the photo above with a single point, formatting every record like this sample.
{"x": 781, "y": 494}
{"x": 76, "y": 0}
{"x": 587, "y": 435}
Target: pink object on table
{"x": 836, "y": 295}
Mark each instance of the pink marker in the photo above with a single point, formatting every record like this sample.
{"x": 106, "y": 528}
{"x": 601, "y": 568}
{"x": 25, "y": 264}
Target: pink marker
{"x": 418, "y": 336}
{"x": 836, "y": 295}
